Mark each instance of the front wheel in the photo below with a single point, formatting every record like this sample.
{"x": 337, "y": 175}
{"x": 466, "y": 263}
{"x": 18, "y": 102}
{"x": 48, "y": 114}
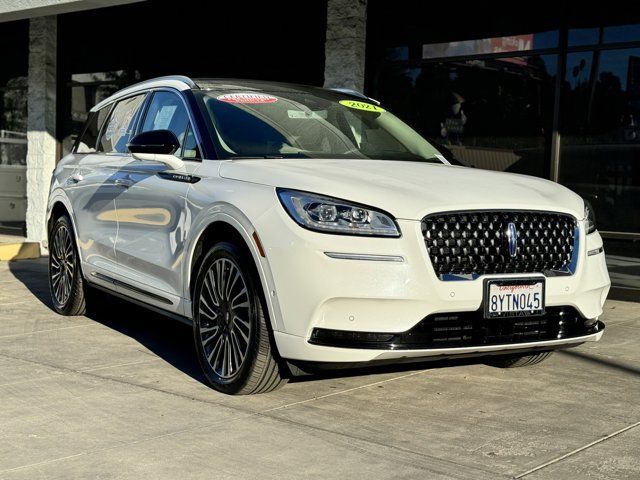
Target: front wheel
{"x": 512, "y": 361}
{"x": 230, "y": 328}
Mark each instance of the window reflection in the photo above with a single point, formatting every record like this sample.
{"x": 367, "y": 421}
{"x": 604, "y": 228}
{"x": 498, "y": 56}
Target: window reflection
{"x": 583, "y": 36}
{"x": 600, "y": 153}
{"x": 488, "y": 113}
{"x": 621, "y": 33}
{"x": 483, "y": 46}
{"x": 87, "y": 90}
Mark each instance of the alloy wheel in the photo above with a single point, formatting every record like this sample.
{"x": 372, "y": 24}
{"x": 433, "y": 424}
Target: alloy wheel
{"x": 62, "y": 259}
{"x": 225, "y": 325}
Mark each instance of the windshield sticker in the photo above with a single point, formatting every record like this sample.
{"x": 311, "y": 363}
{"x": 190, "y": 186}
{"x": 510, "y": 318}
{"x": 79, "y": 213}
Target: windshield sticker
{"x": 368, "y": 107}
{"x": 247, "y": 98}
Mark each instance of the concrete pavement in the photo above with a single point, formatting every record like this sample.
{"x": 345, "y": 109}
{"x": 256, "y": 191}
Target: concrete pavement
{"x": 120, "y": 395}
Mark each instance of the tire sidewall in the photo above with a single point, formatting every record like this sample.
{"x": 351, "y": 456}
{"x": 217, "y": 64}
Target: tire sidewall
{"x": 230, "y": 252}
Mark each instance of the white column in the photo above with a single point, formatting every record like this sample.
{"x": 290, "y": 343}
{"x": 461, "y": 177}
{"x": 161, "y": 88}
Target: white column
{"x": 41, "y": 122}
{"x": 345, "y": 44}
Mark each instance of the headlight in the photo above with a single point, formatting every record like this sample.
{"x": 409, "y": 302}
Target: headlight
{"x": 332, "y": 215}
{"x": 589, "y": 217}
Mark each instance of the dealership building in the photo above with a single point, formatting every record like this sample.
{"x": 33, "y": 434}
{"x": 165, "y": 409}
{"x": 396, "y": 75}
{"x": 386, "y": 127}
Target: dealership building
{"x": 550, "y": 89}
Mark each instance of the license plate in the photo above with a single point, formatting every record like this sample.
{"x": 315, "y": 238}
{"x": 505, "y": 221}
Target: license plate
{"x": 514, "y": 297}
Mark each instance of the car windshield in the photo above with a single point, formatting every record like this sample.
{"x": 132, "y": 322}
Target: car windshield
{"x": 307, "y": 122}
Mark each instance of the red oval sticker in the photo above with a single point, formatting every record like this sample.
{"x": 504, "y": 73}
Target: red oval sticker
{"x": 247, "y": 98}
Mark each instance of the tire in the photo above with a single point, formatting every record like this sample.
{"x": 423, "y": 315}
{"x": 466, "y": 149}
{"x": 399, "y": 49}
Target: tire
{"x": 68, "y": 289}
{"x": 230, "y": 325}
{"x": 519, "y": 361}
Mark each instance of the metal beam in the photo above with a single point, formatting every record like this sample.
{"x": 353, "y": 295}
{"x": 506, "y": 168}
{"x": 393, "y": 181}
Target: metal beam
{"x": 11, "y": 10}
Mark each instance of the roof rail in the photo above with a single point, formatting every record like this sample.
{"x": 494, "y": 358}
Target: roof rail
{"x": 177, "y": 78}
{"x": 179, "y": 82}
{"x": 355, "y": 93}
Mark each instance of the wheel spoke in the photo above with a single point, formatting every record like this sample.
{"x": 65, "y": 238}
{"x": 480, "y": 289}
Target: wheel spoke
{"x": 211, "y": 337}
{"x": 230, "y": 369}
{"x": 245, "y": 336}
{"x": 208, "y": 281}
{"x": 233, "y": 282}
{"x": 213, "y": 351}
{"x": 225, "y": 346}
{"x": 218, "y": 284}
{"x": 244, "y": 304}
{"x": 209, "y": 329}
{"x": 212, "y": 315}
{"x": 238, "y": 352}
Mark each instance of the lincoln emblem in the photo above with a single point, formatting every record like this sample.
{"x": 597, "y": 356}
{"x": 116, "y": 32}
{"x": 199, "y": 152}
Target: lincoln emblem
{"x": 512, "y": 239}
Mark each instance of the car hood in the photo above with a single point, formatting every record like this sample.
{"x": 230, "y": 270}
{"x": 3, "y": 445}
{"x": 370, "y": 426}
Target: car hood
{"x": 408, "y": 190}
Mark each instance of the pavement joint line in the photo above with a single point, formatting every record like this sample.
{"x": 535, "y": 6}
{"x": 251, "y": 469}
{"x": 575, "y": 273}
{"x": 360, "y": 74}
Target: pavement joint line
{"x": 64, "y": 372}
{"x": 320, "y": 397}
{"x": 49, "y": 330}
{"x": 577, "y": 450}
{"x": 117, "y": 365}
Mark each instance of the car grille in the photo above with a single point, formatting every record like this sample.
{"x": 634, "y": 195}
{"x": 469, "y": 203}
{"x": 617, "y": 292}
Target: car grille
{"x": 474, "y": 243}
{"x": 466, "y": 329}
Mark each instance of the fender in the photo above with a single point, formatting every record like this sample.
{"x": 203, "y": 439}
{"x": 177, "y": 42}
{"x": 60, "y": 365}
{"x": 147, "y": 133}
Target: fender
{"x": 58, "y": 195}
{"x": 227, "y": 213}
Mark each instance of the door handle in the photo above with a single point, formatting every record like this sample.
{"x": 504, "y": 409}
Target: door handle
{"x": 123, "y": 182}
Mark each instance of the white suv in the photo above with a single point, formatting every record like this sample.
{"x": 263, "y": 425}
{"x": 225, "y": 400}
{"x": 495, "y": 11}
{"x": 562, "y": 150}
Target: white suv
{"x": 298, "y": 228}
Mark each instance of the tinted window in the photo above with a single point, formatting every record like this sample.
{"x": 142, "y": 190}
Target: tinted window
{"x": 88, "y": 140}
{"x": 120, "y": 126}
{"x": 309, "y": 123}
{"x": 167, "y": 112}
{"x": 190, "y": 148}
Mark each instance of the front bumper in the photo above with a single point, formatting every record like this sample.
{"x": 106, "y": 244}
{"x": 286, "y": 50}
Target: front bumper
{"x": 310, "y": 290}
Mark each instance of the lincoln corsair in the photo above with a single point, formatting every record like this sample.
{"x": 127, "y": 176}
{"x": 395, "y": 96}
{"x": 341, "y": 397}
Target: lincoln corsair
{"x": 298, "y": 228}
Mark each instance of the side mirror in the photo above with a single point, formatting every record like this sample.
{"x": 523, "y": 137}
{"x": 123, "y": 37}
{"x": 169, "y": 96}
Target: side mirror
{"x": 156, "y": 146}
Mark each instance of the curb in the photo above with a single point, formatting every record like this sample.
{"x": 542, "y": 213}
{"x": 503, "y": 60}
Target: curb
{"x": 19, "y": 251}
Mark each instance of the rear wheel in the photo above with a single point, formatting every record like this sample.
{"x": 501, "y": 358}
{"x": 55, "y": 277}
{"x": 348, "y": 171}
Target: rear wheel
{"x": 68, "y": 289}
{"x": 519, "y": 360}
{"x": 232, "y": 338}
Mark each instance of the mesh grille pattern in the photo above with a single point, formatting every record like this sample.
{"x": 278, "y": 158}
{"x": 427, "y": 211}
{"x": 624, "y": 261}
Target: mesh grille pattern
{"x": 477, "y": 243}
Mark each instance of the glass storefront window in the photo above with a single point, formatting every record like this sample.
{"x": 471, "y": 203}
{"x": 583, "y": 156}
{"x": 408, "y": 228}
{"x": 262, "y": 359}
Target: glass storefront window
{"x": 394, "y": 54}
{"x": 621, "y": 33}
{"x": 14, "y": 39}
{"x": 490, "y": 113}
{"x": 600, "y": 133}
{"x": 484, "y": 46}
{"x": 583, "y": 36}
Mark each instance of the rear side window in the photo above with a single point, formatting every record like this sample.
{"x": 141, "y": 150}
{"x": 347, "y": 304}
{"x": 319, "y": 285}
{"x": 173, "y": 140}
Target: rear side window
{"x": 120, "y": 125}
{"x": 88, "y": 141}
